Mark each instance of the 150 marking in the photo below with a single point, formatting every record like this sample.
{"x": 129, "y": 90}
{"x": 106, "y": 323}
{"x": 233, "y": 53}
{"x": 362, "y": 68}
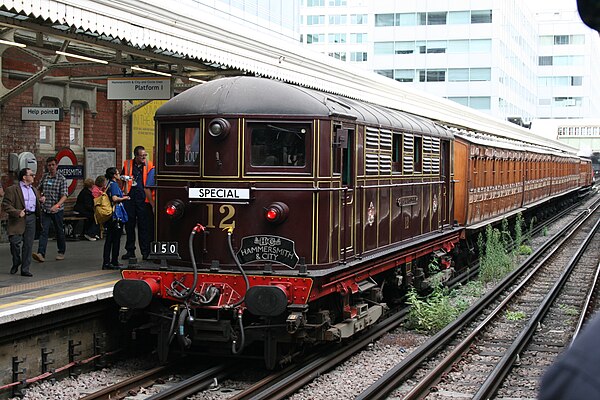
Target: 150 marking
{"x": 165, "y": 248}
{"x": 227, "y": 211}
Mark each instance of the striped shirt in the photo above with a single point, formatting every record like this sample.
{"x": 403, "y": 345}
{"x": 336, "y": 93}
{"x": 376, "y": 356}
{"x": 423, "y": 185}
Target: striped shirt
{"x": 28, "y": 196}
{"x": 53, "y": 188}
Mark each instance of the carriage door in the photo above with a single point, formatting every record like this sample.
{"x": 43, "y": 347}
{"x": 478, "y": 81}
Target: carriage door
{"x": 344, "y": 143}
{"x": 447, "y": 187}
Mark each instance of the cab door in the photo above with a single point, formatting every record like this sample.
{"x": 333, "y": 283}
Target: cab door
{"x": 344, "y": 141}
{"x": 446, "y": 188}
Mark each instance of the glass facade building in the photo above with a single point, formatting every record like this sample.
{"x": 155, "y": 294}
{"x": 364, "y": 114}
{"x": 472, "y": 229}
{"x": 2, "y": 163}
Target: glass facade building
{"x": 491, "y": 58}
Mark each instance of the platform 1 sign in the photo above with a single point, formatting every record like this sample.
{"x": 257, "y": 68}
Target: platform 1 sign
{"x": 268, "y": 248}
{"x": 138, "y": 88}
{"x": 41, "y": 114}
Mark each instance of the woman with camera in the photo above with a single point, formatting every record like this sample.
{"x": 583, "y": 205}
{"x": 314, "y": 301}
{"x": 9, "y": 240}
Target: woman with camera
{"x": 112, "y": 243}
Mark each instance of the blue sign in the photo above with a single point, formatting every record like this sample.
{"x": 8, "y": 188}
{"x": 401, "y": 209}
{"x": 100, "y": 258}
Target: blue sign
{"x": 71, "y": 171}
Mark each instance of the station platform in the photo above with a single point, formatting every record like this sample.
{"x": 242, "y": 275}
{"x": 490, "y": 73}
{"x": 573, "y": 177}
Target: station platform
{"x": 76, "y": 280}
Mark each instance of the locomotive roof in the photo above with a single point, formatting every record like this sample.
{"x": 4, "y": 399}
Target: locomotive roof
{"x": 245, "y": 95}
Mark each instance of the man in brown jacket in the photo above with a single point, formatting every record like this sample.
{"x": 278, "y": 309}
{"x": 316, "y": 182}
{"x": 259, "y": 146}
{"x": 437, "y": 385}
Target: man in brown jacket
{"x": 22, "y": 203}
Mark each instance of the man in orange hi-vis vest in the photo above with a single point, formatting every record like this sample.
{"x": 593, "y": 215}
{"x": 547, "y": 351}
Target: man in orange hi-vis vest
{"x": 134, "y": 176}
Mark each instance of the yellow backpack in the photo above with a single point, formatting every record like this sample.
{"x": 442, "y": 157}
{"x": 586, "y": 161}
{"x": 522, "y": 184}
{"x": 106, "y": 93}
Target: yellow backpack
{"x": 103, "y": 208}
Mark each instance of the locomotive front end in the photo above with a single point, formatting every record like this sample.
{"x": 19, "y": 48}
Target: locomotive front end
{"x": 234, "y": 224}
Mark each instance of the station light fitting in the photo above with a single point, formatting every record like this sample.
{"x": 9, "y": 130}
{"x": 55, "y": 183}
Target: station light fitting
{"x": 150, "y": 71}
{"x": 196, "y": 80}
{"x": 11, "y": 43}
{"x": 96, "y": 60}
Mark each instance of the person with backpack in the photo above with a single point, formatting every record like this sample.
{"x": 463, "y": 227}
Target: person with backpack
{"x": 112, "y": 244}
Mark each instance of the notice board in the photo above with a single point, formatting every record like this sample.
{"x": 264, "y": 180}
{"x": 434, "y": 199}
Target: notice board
{"x": 97, "y": 160}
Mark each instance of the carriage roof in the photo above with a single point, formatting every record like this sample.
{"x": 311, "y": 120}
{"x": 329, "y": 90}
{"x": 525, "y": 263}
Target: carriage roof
{"x": 252, "y": 96}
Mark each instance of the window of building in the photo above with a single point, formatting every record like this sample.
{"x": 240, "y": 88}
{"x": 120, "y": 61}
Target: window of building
{"x": 404, "y": 47}
{"x": 576, "y": 80}
{"x": 437, "y": 46}
{"x": 315, "y": 19}
{"x": 384, "y": 19}
{"x": 340, "y": 55}
{"x": 568, "y": 60}
{"x": 338, "y": 3}
{"x": 47, "y": 128}
{"x": 481, "y": 16}
{"x": 404, "y": 75}
{"x": 388, "y": 73}
{"x": 567, "y": 101}
{"x": 458, "y": 46}
{"x": 480, "y": 45}
{"x": 545, "y": 60}
{"x": 437, "y": 18}
{"x": 315, "y": 38}
{"x": 315, "y": 3}
{"x": 337, "y": 38}
{"x": 432, "y": 75}
{"x": 337, "y": 19}
{"x": 561, "y": 39}
{"x": 359, "y": 19}
{"x": 569, "y": 39}
{"x": 408, "y": 19}
{"x": 383, "y": 48}
{"x": 480, "y": 103}
{"x": 458, "y": 74}
{"x": 460, "y": 100}
{"x": 421, "y": 18}
{"x": 358, "y": 38}
{"x": 458, "y": 17}
{"x": 480, "y": 74}
{"x": 358, "y": 56}
{"x": 76, "y": 125}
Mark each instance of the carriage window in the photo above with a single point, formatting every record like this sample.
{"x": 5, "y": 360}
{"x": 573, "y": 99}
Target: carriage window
{"x": 181, "y": 144}
{"x": 278, "y": 145}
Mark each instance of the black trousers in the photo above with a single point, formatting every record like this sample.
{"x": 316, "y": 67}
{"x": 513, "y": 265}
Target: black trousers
{"x": 137, "y": 213}
{"x": 21, "y": 246}
{"x": 112, "y": 243}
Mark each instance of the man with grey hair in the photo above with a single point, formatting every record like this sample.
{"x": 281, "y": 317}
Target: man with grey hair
{"x": 22, "y": 202}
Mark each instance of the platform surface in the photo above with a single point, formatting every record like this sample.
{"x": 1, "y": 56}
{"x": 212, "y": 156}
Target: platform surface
{"x": 76, "y": 280}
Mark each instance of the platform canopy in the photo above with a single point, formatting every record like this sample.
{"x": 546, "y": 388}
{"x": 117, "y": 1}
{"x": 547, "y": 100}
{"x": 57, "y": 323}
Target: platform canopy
{"x": 174, "y": 37}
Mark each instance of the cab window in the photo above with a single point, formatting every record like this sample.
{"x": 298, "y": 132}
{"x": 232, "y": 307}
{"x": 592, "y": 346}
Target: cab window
{"x": 181, "y": 145}
{"x": 278, "y": 145}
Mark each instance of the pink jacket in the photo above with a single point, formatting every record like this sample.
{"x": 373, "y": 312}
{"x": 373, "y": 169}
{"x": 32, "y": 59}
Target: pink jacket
{"x": 96, "y": 191}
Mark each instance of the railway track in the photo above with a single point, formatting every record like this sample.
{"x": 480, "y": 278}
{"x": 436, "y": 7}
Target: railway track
{"x": 274, "y": 386}
{"x": 474, "y": 356}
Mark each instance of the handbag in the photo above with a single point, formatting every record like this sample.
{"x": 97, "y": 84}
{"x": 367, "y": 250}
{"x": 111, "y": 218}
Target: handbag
{"x": 119, "y": 213}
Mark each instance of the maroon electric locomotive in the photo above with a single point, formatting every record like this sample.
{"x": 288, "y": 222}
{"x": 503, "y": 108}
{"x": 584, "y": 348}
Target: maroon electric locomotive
{"x": 288, "y": 217}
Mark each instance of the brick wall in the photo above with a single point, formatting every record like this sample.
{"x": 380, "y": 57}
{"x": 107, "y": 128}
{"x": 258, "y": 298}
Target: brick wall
{"x": 101, "y": 129}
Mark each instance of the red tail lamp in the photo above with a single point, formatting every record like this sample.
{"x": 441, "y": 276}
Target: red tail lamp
{"x": 277, "y": 212}
{"x": 174, "y": 209}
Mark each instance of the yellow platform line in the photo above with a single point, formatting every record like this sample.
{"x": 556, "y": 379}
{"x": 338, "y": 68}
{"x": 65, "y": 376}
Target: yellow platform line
{"x": 58, "y": 294}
